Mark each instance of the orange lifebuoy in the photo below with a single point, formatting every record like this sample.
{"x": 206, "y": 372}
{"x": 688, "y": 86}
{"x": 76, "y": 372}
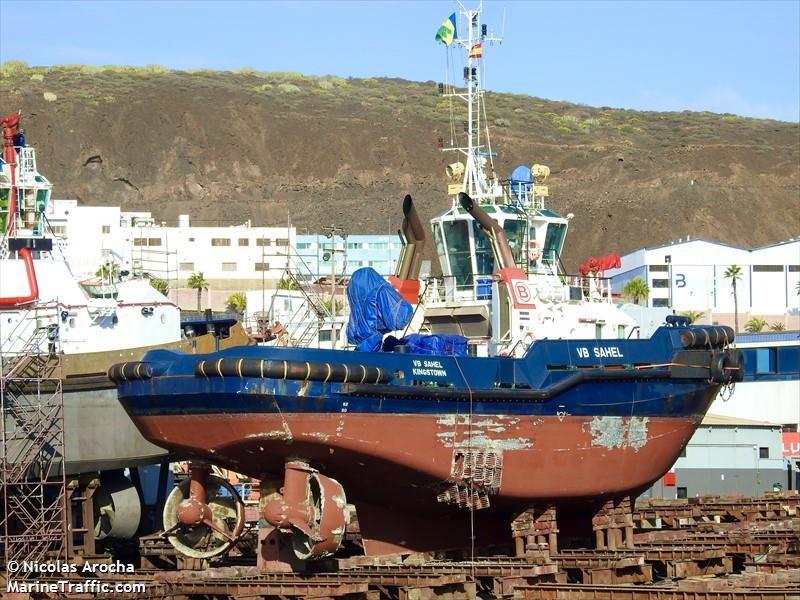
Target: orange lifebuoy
{"x": 534, "y": 250}
{"x": 527, "y": 337}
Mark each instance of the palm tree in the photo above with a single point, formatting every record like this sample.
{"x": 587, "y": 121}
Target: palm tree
{"x": 237, "y": 302}
{"x": 108, "y": 270}
{"x": 755, "y": 325}
{"x": 693, "y": 315}
{"x": 636, "y": 289}
{"x": 161, "y": 285}
{"x": 777, "y": 326}
{"x": 287, "y": 284}
{"x": 734, "y": 273}
{"x": 199, "y": 283}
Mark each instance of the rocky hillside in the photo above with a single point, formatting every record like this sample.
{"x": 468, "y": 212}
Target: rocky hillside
{"x": 226, "y": 147}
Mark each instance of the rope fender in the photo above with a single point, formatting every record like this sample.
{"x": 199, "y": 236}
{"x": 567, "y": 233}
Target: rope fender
{"x": 288, "y": 369}
{"x": 130, "y": 371}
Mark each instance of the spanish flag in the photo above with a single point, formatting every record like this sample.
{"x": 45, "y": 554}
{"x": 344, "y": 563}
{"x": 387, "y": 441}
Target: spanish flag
{"x": 447, "y": 32}
{"x": 476, "y": 51}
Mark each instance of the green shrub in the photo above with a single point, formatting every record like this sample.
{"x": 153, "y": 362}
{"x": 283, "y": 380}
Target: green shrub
{"x": 288, "y": 88}
{"x": 13, "y": 67}
{"x": 291, "y": 75}
{"x": 339, "y": 82}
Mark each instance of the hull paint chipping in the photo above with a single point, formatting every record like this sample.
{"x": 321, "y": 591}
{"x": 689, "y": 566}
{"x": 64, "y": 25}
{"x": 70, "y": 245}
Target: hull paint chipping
{"x": 481, "y": 433}
{"x": 619, "y": 432}
{"x": 407, "y": 460}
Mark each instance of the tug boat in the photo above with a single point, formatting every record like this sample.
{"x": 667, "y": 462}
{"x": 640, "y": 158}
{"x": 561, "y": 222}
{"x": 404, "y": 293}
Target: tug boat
{"x": 468, "y": 398}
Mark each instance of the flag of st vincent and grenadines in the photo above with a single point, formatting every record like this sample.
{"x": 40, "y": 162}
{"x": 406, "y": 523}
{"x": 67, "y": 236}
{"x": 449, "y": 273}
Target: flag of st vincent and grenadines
{"x": 447, "y": 32}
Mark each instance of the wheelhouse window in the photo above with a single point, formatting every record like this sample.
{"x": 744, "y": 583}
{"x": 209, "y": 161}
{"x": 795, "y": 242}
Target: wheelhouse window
{"x": 553, "y": 241}
{"x": 515, "y": 233}
{"x": 437, "y": 238}
{"x": 456, "y": 236}
{"x": 483, "y": 251}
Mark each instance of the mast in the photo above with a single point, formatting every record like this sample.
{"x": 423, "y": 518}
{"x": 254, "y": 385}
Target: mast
{"x": 475, "y": 182}
{"x": 473, "y": 88}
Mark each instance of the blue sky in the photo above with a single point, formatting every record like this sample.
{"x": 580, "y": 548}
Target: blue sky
{"x": 739, "y": 57}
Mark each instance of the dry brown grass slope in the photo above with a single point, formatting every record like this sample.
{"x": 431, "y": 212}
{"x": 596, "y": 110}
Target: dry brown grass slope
{"x": 228, "y": 147}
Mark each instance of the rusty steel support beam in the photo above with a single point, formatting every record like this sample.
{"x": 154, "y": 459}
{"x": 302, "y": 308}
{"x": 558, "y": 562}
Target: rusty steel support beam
{"x": 548, "y": 591}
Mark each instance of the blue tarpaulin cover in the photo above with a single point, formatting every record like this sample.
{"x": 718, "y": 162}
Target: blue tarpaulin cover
{"x": 375, "y": 308}
{"x": 454, "y": 345}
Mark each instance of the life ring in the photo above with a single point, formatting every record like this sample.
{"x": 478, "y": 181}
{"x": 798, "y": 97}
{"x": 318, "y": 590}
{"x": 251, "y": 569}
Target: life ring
{"x": 527, "y": 337}
{"x": 534, "y": 250}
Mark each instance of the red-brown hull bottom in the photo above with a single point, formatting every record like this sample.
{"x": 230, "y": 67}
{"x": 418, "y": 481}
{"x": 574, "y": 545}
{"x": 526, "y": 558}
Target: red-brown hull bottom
{"x": 401, "y": 462}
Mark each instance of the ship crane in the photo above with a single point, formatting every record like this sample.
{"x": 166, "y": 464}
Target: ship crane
{"x": 10, "y": 126}
{"x": 11, "y": 242}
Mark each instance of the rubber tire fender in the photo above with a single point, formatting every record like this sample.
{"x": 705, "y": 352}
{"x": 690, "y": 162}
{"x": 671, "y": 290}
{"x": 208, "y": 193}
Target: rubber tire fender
{"x": 719, "y": 365}
{"x": 737, "y": 362}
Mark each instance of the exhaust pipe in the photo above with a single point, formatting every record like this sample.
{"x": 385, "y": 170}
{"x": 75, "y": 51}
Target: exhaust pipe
{"x": 495, "y": 233}
{"x": 413, "y": 235}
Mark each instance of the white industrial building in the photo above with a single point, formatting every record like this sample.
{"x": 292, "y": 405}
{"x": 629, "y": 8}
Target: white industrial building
{"x": 690, "y": 275}
{"x": 137, "y": 242}
{"x": 729, "y": 456}
{"x": 232, "y": 259}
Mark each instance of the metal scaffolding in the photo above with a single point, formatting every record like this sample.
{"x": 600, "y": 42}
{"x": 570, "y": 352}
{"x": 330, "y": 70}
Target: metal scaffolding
{"x": 32, "y": 479}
